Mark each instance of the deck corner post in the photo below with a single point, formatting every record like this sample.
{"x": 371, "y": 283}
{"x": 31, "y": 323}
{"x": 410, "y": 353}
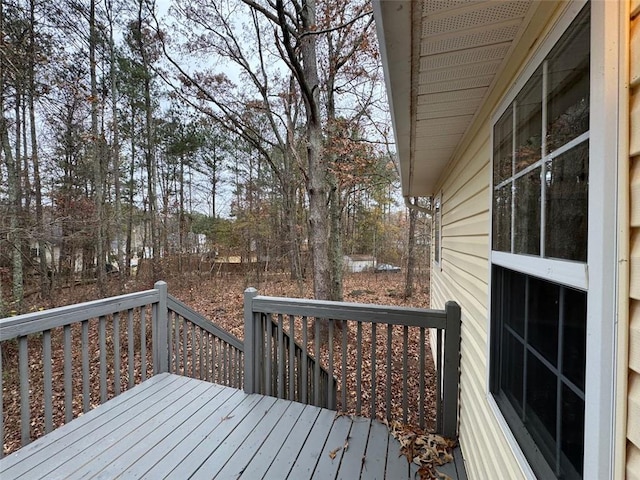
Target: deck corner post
{"x": 161, "y": 333}
{"x": 251, "y": 336}
{"x": 451, "y": 373}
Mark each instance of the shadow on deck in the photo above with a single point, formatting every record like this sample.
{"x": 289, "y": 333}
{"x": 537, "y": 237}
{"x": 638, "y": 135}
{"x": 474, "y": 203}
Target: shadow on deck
{"x": 177, "y": 427}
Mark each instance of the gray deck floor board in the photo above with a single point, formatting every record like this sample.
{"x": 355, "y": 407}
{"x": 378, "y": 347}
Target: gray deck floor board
{"x": 176, "y": 427}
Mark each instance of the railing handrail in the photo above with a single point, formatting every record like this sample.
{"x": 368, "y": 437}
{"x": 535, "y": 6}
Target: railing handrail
{"x": 198, "y": 319}
{"x": 36, "y": 322}
{"x": 362, "y": 312}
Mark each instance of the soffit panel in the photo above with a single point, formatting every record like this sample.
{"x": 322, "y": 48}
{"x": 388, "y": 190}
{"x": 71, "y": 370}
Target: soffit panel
{"x": 462, "y": 47}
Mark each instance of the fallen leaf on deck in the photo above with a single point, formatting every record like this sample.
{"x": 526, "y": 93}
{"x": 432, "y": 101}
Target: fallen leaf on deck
{"x": 332, "y": 453}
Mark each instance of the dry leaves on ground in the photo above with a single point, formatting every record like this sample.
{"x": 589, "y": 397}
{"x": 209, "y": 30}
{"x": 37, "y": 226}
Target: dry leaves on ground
{"x": 428, "y": 451}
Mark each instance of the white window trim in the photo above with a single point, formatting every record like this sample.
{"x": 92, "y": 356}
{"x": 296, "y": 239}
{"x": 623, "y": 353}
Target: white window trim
{"x": 601, "y": 270}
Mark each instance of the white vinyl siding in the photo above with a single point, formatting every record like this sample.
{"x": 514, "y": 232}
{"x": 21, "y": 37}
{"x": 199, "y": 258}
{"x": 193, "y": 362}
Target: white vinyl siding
{"x": 633, "y": 406}
{"x": 464, "y": 277}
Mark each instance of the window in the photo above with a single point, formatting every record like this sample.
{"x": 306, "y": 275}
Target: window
{"x": 539, "y": 252}
{"x": 436, "y": 231}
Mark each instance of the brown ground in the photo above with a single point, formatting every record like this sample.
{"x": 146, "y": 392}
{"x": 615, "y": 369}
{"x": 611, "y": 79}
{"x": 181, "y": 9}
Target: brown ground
{"x": 220, "y": 299}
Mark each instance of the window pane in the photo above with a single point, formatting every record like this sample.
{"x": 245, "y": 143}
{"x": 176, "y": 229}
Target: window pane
{"x": 503, "y": 147}
{"x": 527, "y": 215}
{"x": 572, "y": 444}
{"x": 541, "y": 405}
{"x": 566, "y": 204}
{"x": 512, "y": 368}
{"x": 568, "y": 63}
{"x": 502, "y": 219}
{"x": 515, "y": 285}
{"x": 543, "y": 305}
{"x": 528, "y": 106}
{"x": 574, "y": 336}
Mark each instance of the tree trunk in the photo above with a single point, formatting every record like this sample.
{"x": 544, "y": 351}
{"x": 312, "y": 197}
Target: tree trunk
{"x": 152, "y": 172}
{"x": 115, "y": 147}
{"x": 95, "y": 154}
{"x": 411, "y": 252}
{"x": 317, "y": 167}
{"x": 45, "y": 286}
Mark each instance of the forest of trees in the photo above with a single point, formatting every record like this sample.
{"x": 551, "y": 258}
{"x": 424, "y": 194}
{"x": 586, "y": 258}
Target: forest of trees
{"x": 136, "y": 131}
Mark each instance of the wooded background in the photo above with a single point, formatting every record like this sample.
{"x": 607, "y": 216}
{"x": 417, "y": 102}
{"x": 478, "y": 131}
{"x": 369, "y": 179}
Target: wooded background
{"x": 198, "y": 134}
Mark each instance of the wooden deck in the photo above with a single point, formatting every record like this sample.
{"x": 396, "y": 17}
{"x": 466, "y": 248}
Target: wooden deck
{"x": 176, "y": 427}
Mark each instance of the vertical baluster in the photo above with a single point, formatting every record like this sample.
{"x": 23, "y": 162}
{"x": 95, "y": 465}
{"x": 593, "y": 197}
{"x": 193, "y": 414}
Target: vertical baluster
{"x": 343, "y": 376}
{"x": 374, "y": 342}
{"x": 176, "y": 342}
{"x": 329, "y": 391}
{"x": 116, "y": 353}
{"x": 48, "y": 388}
{"x": 281, "y": 358}
{"x": 170, "y": 335}
{"x": 68, "y": 384}
{"x": 389, "y": 376}
{"x": 206, "y": 355}
{"x": 185, "y": 333}
{"x": 359, "y": 368}
{"x": 405, "y": 341}
{"x": 102, "y": 342}
{"x": 240, "y": 369}
{"x": 292, "y": 357}
{"x": 268, "y": 367}
{"x": 131, "y": 352}
{"x": 25, "y": 410}
{"x": 224, "y": 364}
{"x": 201, "y": 333}
{"x": 439, "y": 368}
{"x": 214, "y": 361}
{"x": 193, "y": 350}
{"x": 86, "y": 403}
{"x": 316, "y": 370}
{"x": 143, "y": 343}
{"x": 421, "y": 370}
{"x": 304, "y": 396}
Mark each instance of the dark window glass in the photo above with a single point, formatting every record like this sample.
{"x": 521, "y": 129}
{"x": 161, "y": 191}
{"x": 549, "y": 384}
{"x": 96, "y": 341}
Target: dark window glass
{"x": 574, "y": 336}
{"x": 503, "y": 148}
{"x": 526, "y": 235}
{"x": 541, "y": 403}
{"x": 516, "y": 283}
{"x": 538, "y": 374}
{"x": 512, "y": 368}
{"x": 568, "y": 84}
{"x": 543, "y": 305}
{"x": 566, "y": 204}
{"x": 502, "y": 219}
{"x": 528, "y": 106}
{"x": 572, "y": 444}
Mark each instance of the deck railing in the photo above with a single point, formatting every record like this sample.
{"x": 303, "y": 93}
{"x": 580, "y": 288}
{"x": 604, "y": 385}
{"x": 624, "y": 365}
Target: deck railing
{"x": 375, "y": 357}
{"x": 200, "y": 349}
{"x": 104, "y": 347}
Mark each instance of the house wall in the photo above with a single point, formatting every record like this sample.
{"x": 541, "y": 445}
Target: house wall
{"x": 463, "y": 274}
{"x": 633, "y": 405}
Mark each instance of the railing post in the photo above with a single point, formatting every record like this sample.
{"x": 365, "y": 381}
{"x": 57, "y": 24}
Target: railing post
{"x": 451, "y": 374}
{"x": 251, "y": 336}
{"x": 161, "y": 331}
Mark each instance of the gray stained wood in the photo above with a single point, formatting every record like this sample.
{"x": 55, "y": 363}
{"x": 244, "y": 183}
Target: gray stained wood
{"x": 177, "y": 427}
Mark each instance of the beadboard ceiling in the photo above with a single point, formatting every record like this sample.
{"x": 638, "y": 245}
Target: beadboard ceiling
{"x": 437, "y": 83}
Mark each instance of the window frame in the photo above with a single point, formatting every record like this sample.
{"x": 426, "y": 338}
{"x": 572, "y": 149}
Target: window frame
{"x": 599, "y": 275}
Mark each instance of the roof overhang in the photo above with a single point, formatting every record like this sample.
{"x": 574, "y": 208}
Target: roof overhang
{"x": 440, "y": 59}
